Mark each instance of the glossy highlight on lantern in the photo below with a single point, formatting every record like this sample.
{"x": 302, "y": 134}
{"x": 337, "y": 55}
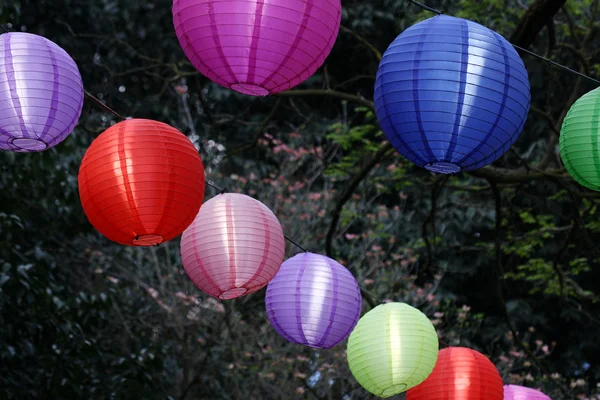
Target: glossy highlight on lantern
{"x": 393, "y": 348}
{"x": 313, "y": 301}
{"x": 41, "y": 93}
{"x": 141, "y": 182}
{"x": 460, "y": 374}
{"x": 257, "y": 47}
{"x": 451, "y": 95}
{"x": 234, "y": 246}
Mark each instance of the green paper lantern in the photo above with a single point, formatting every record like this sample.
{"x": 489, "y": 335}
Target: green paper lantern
{"x": 393, "y": 348}
{"x": 580, "y": 140}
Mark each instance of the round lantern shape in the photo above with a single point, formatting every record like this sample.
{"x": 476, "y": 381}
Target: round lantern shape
{"x": 460, "y": 374}
{"x": 257, "y": 47}
{"x": 313, "y": 300}
{"x": 515, "y": 392}
{"x": 393, "y": 348}
{"x": 41, "y": 93}
{"x": 234, "y": 247}
{"x": 580, "y": 140}
{"x": 451, "y": 95}
{"x": 141, "y": 182}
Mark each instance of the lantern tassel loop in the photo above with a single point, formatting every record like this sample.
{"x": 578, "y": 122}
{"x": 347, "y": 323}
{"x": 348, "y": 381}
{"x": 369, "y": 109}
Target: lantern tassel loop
{"x": 433, "y": 10}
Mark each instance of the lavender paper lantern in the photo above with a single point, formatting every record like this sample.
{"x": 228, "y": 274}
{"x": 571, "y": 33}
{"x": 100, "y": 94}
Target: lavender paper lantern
{"x": 234, "y": 247}
{"x": 313, "y": 300}
{"x": 515, "y": 392}
{"x": 257, "y": 47}
{"x": 41, "y": 93}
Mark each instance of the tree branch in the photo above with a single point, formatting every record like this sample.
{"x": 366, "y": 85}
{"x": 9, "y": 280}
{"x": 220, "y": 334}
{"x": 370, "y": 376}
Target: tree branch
{"x": 332, "y": 93}
{"x": 383, "y": 150}
{"x": 364, "y": 41}
{"x": 534, "y": 20}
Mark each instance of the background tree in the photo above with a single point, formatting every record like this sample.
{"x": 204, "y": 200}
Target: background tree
{"x": 503, "y": 259}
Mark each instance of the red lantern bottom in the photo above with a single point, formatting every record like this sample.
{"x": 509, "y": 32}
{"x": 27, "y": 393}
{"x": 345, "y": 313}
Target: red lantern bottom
{"x": 250, "y": 89}
{"x": 233, "y": 293}
{"x": 29, "y": 144}
{"x": 147, "y": 240}
{"x": 443, "y": 167}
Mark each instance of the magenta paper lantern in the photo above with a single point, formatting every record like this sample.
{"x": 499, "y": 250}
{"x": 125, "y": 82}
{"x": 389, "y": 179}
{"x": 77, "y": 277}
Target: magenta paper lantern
{"x": 515, "y": 392}
{"x": 234, "y": 247}
{"x": 41, "y": 93}
{"x": 257, "y": 47}
{"x": 314, "y": 301}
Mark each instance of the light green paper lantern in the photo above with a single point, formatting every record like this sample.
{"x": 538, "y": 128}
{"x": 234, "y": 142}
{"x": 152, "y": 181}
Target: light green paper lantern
{"x": 580, "y": 140}
{"x": 393, "y": 348}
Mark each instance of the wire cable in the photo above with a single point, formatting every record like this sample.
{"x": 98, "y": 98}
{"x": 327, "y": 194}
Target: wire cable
{"x": 549, "y": 61}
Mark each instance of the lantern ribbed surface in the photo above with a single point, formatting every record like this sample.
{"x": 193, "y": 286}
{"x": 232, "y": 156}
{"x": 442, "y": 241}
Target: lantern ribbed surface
{"x": 393, "y": 348}
{"x": 41, "y": 93}
{"x": 515, "y": 392}
{"x": 257, "y": 47}
{"x": 580, "y": 140}
{"x": 234, "y": 247}
{"x": 451, "y": 95}
{"x": 141, "y": 182}
{"x": 460, "y": 374}
{"x": 313, "y": 300}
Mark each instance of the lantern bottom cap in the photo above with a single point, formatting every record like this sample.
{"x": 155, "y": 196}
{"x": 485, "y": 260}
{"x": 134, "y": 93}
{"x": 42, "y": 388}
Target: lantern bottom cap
{"x": 233, "y": 293}
{"x": 249, "y": 89}
{"x": 147, "y": 240}
{"x": 394, "y": 390}
{"x": 441, "y": 167}
{"x": 29, "y": 144}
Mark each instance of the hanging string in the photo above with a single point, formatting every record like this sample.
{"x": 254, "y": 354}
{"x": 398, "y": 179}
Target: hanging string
{"x": 102, "y": 105}
{"x": 549, "y": 61}
{"x": 5, "y": 29}
{"x": 221, "y": 191}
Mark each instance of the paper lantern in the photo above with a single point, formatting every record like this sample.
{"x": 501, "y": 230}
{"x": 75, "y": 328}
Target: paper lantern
{"x": 460, "y": 374}
{"x": 580, "y": 140}
{"x": 234, "y": 247}
{"x": 141, "y": 182}
{"x": 451, "y": 95}
{"x": 515, "y": 392}
{"x": 313, "y": 300}
{"x": 393, "y": 348}
{"x": 41, "y": 93}
{"x": 257, "y": 47}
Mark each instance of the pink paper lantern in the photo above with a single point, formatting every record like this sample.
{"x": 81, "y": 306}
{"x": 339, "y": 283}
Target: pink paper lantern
{"x": 257, "y": 47}
{"x": 234, "y": 247}
{"x": 515, "y": 392}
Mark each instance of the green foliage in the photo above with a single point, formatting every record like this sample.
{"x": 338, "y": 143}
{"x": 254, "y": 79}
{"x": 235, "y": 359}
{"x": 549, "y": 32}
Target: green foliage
{"x": 81, "y": 317}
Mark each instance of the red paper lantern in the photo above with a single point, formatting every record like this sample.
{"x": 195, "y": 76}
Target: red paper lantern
{"x": 460, "y": 374}
{"x": 141, "y": 182}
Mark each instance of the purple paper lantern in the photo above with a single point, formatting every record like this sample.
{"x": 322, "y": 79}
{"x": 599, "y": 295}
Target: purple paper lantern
{"x": 515, "y": 392}
{"x": 41, "y": 93}
{"x": 313, "y": 300}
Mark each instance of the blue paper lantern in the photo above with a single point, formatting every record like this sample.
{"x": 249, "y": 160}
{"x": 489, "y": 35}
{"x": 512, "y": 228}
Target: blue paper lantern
{"x": 451, "y": 95}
